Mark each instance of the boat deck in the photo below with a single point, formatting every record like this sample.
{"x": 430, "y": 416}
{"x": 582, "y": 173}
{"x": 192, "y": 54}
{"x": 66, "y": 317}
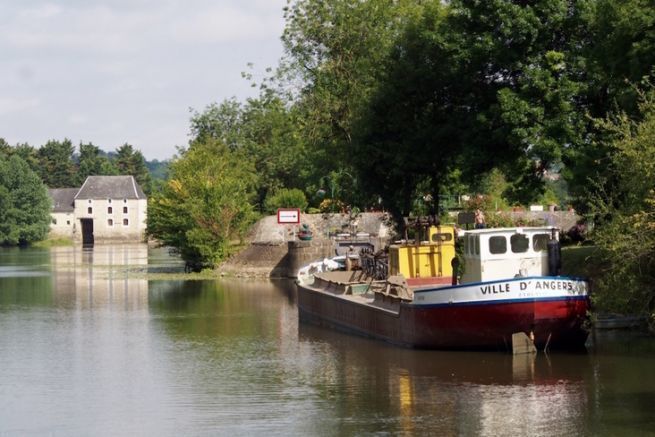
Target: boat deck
{"x": 356, "y": 287}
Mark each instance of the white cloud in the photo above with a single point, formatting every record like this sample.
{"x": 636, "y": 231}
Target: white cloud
{"x": 115, "y": 71}
{"x": 10, "y": 105}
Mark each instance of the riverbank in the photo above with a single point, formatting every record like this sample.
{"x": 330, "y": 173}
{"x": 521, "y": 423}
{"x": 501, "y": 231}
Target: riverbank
{"x": 274, "y": 250}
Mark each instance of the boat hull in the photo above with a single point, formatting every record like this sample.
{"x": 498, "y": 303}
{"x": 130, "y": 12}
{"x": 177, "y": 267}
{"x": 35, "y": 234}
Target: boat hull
{"x": 442, "y": 321}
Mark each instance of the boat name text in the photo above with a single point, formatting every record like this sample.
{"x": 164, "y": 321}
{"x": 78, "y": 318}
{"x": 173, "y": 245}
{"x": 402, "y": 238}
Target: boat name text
{"x": 523, "y": 285}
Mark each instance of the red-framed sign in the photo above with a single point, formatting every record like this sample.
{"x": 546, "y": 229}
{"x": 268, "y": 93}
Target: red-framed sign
{"x": 288, "y": 215}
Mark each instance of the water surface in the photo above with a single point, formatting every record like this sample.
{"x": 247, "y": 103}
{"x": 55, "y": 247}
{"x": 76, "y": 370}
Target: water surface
{"x": 89, "y": 347}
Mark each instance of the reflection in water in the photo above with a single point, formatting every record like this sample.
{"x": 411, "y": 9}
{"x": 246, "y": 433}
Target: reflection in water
{"x": 459, "y": 392}
{"x": 88, "y": 347}
{"x": 99, "y": 276}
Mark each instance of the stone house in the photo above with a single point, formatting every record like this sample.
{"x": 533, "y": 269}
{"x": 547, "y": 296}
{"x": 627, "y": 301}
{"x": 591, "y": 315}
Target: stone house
{"x": 104, "y": 209}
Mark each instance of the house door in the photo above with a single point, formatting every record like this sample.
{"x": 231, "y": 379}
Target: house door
{"x": 87, "y": 232}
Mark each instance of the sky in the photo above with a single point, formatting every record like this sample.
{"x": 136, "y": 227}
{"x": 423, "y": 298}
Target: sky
{"x": 128, "y": 71}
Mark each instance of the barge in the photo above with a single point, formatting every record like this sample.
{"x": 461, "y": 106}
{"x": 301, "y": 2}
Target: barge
{"x": 423, "y": 295}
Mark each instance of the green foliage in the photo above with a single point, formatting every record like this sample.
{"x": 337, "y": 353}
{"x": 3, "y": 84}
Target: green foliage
{"x": 24, "y": 204}
{"x": 334, "y": 52}
{"x": 93, "y": 163}
{"x": 627, "y": 245}
{"x": 265, "y": 131}
{"x": 331, "y": 205}
{"x": 131, "y": 162}
{"x": 206, "y": 203}
{"x": 286, "y": 198}
{"x": 56, "y": 166}
{"x": 626, "y": 211}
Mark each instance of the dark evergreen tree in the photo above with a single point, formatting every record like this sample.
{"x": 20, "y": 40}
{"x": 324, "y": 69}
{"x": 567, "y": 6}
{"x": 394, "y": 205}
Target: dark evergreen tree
{"x": 131, "y": 162}
{"x": 56, "y": 166}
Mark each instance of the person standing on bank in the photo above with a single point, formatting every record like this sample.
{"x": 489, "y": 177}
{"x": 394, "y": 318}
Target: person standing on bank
{"x": 479, "y": 219}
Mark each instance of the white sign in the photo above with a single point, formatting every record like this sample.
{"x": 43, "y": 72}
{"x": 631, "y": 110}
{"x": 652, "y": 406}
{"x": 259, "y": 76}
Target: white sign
{"x": 285, "y": 216}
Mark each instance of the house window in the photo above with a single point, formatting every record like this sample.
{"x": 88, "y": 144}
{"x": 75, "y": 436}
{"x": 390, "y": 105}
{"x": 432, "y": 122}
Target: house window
{"x": 110, "y": 222}
{"x": 110, "y": 210}
{"x": 54, "y": 221}
{"x": 89, "y": 200}
{"x": 126, "y": 222}
{"x": 89, "y": 210}
{"x": 125, "y": 210}
{"x": 124, "y": 200}
{"x": 68, "y": 222}
{"x": 108, "y": 200}
{"x": 497, "y": 245}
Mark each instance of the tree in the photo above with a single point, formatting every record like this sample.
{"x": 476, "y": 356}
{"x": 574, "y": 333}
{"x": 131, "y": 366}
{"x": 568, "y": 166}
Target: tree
{"x": 24, "y": 204}
{"x": 5, "y": 149}
{"x": 470, "y": 86}
{"x": 619, "y": 55}
{"x": 131, "y": 162}
{"x": 626, "y": 229}
{"x": 56, "y": 164}
{"x": 333, "y": 50}
{"x": 205, "y": 204}
{"x": 266, "y": 133}
{"x": 93, "y": 163}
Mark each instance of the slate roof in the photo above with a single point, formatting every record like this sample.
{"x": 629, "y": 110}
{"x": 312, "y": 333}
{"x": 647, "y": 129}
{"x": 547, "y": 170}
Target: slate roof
{"x": 63, "y": 199}
{"x": 110, "y": 187}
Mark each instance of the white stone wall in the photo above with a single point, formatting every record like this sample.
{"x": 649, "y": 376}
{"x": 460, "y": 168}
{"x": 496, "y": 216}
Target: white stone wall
{"x": 113, "y": 219}
{"x": 62, "y": 224}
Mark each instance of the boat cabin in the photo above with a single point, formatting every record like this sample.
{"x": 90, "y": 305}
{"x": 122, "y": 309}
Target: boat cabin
{"x": 502, "y": 253}
{"x": 426, "y": 261}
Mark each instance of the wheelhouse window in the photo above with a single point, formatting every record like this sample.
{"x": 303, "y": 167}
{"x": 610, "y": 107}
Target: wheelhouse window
{"x": 520, "y": 243}
{"x": 540, "y": 242}
{"x": 472, "y": 245}
{"x": 497, "y": 245}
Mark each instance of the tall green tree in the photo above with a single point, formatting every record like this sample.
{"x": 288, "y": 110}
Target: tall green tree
{"x": 93, "y": 163}
{"x": 131, "y": 162}
{"x": 56, "y": 166}
{"x": 619, "y": 55}
{"x": 24, "y": 203}
{"x": 626, "y": 231}
{"x": 266, "y": 132}
{"x": 5, "y": 148}
{"x": 206, "y": 203}
{"x": 470, "y": 86}
{"x": 333, "y": 50}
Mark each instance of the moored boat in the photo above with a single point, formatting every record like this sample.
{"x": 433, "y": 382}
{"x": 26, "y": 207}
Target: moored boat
{"x": 416, "y": 297}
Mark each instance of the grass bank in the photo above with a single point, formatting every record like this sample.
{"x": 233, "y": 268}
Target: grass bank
{"x": 53, "y": 242}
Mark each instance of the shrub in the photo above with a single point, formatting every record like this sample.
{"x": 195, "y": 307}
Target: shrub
{"x": 286, "y": 198}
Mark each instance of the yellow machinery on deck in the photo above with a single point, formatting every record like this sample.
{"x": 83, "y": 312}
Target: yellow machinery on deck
{"x": 424, "y": 259}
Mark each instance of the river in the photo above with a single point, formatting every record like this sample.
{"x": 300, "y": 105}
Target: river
{"x": 89, "y": 346}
